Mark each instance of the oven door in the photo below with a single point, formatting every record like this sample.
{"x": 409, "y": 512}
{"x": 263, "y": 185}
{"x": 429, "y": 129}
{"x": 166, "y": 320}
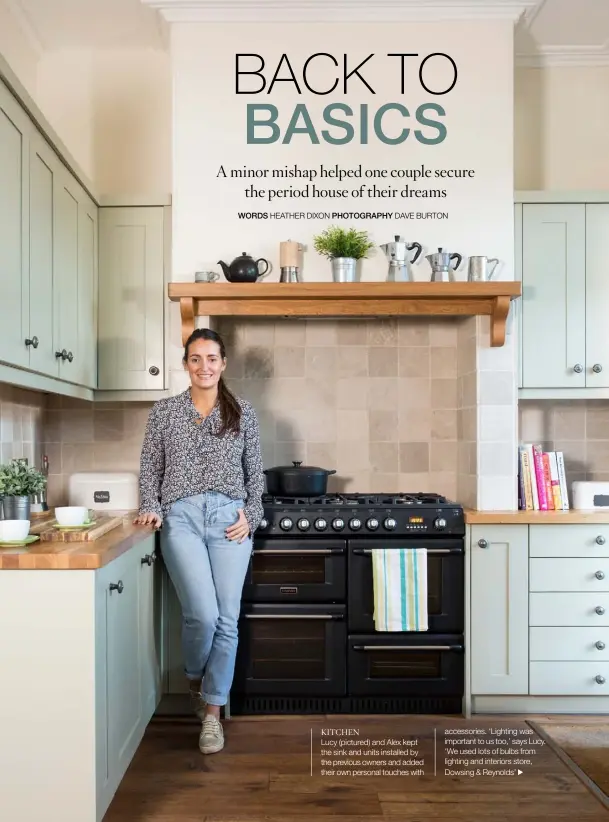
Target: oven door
{"x": 291, "y": 650}
{"x": 399, "y": 664}
{"x": 445, "y": 582}
{"x": 296, "y": 570}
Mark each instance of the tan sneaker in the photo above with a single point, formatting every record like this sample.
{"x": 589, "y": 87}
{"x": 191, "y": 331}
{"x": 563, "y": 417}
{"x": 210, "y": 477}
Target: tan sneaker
{"x": 198, "y": 704}
{"x": 211, "y": 739}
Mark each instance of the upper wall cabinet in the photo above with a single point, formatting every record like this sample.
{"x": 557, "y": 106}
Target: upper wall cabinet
{"x": 14, "y": 245}
{"x": 132, "y": 298}
{"x": 48, "y": 257}
{"x": 565, "y": 297}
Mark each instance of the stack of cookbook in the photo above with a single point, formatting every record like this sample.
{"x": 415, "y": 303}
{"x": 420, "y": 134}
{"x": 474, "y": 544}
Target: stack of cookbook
{"x": 542, "y": 482}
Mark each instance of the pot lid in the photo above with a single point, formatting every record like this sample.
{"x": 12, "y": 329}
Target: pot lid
{"x": 298, "y": 467}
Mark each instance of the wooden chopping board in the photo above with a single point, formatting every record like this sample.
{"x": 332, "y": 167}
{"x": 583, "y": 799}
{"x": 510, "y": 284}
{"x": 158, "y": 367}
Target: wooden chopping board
{"x": 102, "y": 525}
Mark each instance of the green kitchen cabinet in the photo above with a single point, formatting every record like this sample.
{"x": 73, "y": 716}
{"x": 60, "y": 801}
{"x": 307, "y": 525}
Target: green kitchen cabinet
{"x": 597, "y": 295}
{"x": 48, "y": 256}
{"x": 553, "y": 310}
{"x": 132, "y": 298}
{"x": 14, "y": 228}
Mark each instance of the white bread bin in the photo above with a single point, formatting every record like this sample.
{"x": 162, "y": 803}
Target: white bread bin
{"x": 112, "y": 491}
{"x": 590, "y": 495}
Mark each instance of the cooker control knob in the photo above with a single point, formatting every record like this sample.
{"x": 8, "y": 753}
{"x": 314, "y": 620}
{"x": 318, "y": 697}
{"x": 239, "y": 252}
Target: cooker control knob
{"x": 264, "y": 523}
{"x": 372, "y": 524}
{"x": 285, "y": 524}
{"x": 338, "y": 524}
{"x": 303, "y": 524}
{"x": 390, "y": 523}
{"x": 440, "y": 523}
{"x": 320, "y": 524}
{"x": 355, "y": 524}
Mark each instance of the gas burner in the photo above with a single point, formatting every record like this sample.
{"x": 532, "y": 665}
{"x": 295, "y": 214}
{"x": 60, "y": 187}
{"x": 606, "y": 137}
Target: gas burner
{"x": 355, "y": 499}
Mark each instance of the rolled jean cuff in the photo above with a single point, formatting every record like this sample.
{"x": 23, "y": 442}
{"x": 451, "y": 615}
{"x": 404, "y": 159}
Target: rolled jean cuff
{"x": 214, "y": 699}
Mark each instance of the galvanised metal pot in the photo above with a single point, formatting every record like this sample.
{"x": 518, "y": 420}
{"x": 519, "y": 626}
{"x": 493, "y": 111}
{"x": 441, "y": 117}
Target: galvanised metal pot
{"x": 344, "y": 269}
{"x": 16, "y": 507}
{"x": 297, "y": 480}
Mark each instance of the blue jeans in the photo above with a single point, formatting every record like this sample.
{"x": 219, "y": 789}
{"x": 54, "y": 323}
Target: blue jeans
{"x": 208, "y": 572}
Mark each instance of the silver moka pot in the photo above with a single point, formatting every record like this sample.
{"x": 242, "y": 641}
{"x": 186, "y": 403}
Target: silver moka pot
{"x": 441, "y": 268}
{"x": 397, "y": 254}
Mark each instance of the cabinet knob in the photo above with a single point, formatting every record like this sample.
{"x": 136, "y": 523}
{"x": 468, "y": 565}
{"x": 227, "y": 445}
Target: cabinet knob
{"x": 599, "y": 610}
{"x": 600, "y": 575}
{"x": 600, "y": 645}
{"x": 148, "y": 559}
{"x": 154, "y": 371}
{"x": 63, "y": 354}
{"x": 600, "y": 540}
{"x": 578, "y": 368}
{"x": 117, "y": 586}
{"x": 33, "y": 342}
{"x": 597, "y": 368}
{"x": 69, "y": 356}
{"x": 600, "y": 679}
{"x": 483, "y": 543}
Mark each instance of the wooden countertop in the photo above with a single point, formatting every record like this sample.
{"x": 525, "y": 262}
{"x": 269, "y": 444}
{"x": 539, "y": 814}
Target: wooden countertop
{"x": 74, "y": 556}
{"x": 536, "y": 517}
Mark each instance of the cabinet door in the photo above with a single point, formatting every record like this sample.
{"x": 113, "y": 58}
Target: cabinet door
{"x": 499, "y": 652}
{"x": 173, "y": 658}
{"x": 44, "y": 170}
{"x": 597, "y": 296}
{"x": 124, "y": 663}
{"x": 553, "y": 296}
{"x": 131, "y": 298}
{"x": 85, "y": 360}
{"x": 150, "y": 628}
{"x": 14, "y": 231}
{"x": 66, "y": 279}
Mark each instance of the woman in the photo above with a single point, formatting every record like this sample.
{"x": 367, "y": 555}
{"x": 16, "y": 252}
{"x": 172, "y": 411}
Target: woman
{"x": 201, "y": 478}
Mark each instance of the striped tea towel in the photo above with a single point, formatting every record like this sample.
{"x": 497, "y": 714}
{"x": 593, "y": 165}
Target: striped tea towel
{"x": 399, "y": 577}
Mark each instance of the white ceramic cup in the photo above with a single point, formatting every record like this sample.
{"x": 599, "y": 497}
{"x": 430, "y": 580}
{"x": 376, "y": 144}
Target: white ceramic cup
{"x": 14, "y": 530}
{"x": 71, "y": 515}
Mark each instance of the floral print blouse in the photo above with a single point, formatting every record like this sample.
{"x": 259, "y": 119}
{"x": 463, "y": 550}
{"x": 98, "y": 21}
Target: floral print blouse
{"x": 183, "y": 456}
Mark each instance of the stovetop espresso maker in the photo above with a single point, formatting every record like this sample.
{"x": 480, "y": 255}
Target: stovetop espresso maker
{"x": 397, "y": 253}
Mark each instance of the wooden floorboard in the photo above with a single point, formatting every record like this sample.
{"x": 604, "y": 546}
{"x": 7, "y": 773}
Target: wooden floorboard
{"x": 264, "y": 775}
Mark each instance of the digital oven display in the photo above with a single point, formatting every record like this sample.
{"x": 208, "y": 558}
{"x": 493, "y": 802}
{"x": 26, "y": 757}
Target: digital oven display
{"x": 415, "y": 519}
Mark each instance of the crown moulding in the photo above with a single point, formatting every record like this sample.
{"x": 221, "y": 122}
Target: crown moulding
{"x": 340, "y": 11}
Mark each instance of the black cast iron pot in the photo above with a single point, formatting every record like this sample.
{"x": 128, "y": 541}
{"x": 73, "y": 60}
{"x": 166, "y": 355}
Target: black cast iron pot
{"x": 297, "y": 480}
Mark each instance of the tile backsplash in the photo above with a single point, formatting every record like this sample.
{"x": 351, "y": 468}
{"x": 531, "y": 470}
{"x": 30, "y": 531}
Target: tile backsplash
{"x": 389, "y": 404}
{"x": 21, "y": 424}
{"x": 578, "y": 428}
{"x": 376, "y": 400}
{"x": 85, "y": 436}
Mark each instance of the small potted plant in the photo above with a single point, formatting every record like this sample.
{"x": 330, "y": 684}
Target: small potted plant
{"x": 344, "y": 247}
{"x": 18, "y": 482}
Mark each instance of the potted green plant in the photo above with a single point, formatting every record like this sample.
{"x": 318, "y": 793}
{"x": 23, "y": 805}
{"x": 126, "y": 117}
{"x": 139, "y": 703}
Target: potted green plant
{"x": 18, "y": 482}
{"x": 344, "y": 247}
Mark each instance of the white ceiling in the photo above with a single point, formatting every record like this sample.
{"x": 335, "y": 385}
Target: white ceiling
{"x": 555, "y": 32}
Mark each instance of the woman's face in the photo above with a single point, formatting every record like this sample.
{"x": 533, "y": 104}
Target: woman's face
{"x": 205, "y": 364}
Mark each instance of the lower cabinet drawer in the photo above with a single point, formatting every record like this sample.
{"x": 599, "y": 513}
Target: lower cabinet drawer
{"x": 569, "y": 574}
{"x": 579, "y": 609}
{"x": 569, "y": 644}
{"x": 569, "y": 678}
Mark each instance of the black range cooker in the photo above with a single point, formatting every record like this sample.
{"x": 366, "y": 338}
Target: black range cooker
{"x": 307, "y": 640}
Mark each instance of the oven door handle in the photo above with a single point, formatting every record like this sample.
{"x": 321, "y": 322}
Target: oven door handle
{"x": 294, "y": 616}
{"x": 297, "y": 552}
{"x": 455, "y": 648}
{"x": 367, "y": 551}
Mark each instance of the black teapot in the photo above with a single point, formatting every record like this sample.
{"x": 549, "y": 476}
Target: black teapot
{"x": 244, "y": 269}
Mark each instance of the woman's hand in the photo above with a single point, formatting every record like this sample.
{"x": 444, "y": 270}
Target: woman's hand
{"x": 148, "y": 519}
{"x": 240, "y": 529}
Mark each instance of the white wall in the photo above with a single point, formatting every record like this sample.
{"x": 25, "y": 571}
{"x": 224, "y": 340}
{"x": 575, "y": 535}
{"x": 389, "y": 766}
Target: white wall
{"x": 19, "y": 51}
{"x": 210, "y": 131}
{"x": 113, "y": 111}
{"x": 561, "y": 128}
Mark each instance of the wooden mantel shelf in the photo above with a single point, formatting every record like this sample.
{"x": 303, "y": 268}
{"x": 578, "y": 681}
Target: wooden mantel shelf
{"x": 341, "y": 300}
